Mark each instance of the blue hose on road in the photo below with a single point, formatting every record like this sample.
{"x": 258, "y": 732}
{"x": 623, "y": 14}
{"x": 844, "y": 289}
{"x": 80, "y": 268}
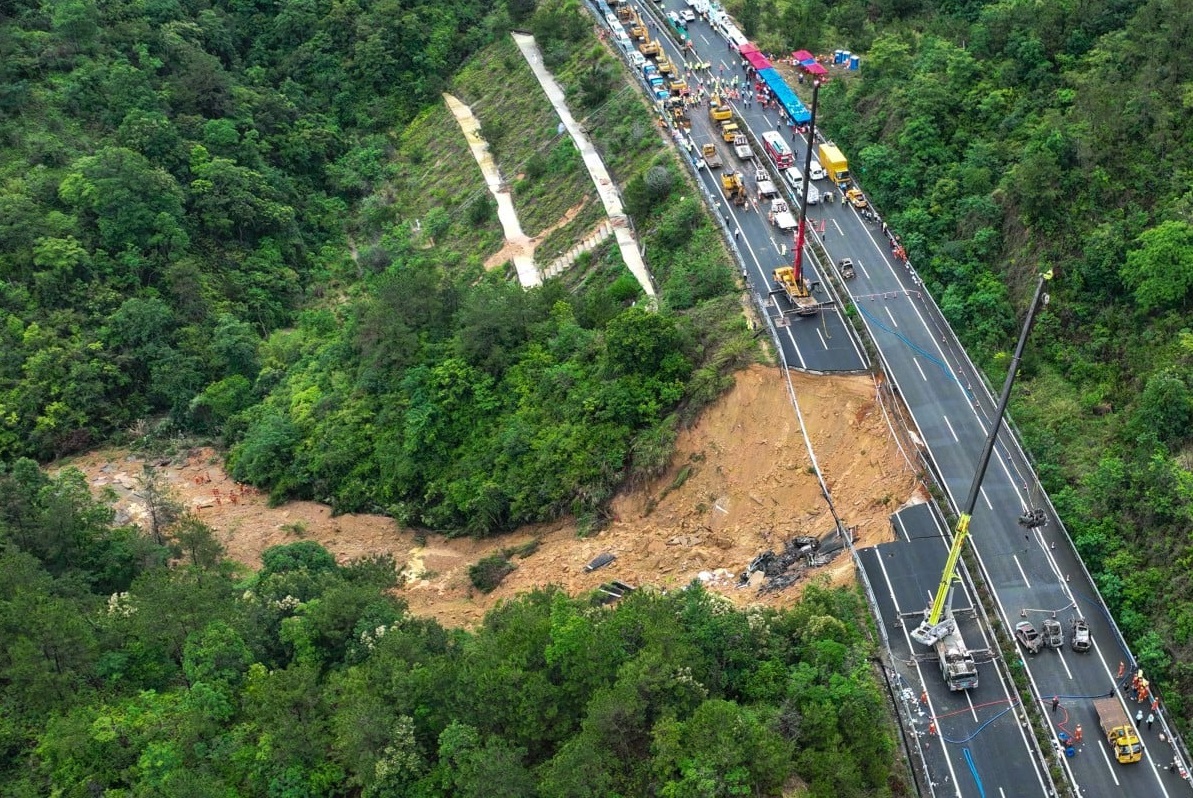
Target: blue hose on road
{"x": 977, "y": 731}
{"x": 974, "y": 770}
{"x": 944, "y": 367}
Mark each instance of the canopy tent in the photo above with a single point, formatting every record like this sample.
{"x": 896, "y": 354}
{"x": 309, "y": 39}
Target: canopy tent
{"x": 748, "y": 48}
{"x": 800, "y": 56}
{"x": 786, "y": 97}
{"x": 815, "y": 69}
{"x": 756, "y": 59}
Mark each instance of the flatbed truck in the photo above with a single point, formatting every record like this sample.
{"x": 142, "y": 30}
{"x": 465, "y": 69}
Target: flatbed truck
{"x": 1118, "y": 730}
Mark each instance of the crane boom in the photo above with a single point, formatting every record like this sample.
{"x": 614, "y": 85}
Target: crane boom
{"x": 937, "y": 623}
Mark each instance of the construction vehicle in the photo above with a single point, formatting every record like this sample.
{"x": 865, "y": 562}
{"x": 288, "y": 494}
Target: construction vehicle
{"x": 939, "y": 625}
{"x": 1119, "y": 731}
{"x": 625, "y": 13}
{"x": 678, "y": 86}
{"x": 856, "y": 198}
{"x": 834, "y": 163}
{"x": 780, "y": 215}
{"x": 678, "y": 112}
{"x": 1054, "y": 636}
{"x": 639, "y": 32}
{"x": 1079, "y": 636}
{"x": 735, "y": 187}
{"x": 649, "y": 49}
{"x": 797, "y": 290}
{"x": 665, "y": 65}
{"x": 728, "y": 131}
{"x": 717, "y": 110}
{"x": 712, "y": 158}
{"x": 741, "y": 147}
{"x": 766, "y": 187}
{"x": 957, "y": 665}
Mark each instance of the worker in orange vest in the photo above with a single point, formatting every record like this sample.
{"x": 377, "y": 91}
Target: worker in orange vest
{"x": 1077, "y": 734}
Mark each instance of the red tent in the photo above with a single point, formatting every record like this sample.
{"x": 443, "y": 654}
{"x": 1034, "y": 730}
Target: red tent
{"x": 799, "y": 56}
{"x": 757, "y": 60}
{"x": 748, "y": 48}
{"x": 815, "y": 69}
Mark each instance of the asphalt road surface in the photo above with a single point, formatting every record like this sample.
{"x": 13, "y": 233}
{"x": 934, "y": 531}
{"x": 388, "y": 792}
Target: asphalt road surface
{"x": 1034, "y": 574}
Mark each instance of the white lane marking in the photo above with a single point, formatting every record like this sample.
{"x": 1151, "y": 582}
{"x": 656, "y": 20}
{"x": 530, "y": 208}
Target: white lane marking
{"x": 972, "y": 709}
{"x": 705, "y": 40}
{"x": 863, "y": 268}
{"x": 892, "y": 316}
{"x": 1061, "y": 654}
{"x": 821, "y": 337}
{"x": 951, "y": 430}
{"x": 840, "y": 232}
{"x": 986, "y": 498}
{"x": 910, "y": 647}
{"x": 1109, "y": 766}
{"x": 1022, "y": 572}
{"x": 920, "y": 370}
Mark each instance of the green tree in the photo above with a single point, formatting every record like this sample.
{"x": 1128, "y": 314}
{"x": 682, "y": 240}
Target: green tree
{"x": 1161, "y": 268}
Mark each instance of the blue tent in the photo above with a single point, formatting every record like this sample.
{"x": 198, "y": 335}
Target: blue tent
{"x": 786, "y": 97}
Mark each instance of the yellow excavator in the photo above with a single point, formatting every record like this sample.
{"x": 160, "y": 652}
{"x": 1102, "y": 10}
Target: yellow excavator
{"x": 735, "y": 188}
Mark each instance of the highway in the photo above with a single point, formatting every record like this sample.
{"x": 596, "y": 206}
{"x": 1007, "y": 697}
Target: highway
{"x": 1033, "y": 574}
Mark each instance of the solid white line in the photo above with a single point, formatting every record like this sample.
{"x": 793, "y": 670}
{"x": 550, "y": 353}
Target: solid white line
{"x": 951, "y": 430}
{"x": 794, "y": 345}
{"x": 821, "y": 337}
{"x": 1024, "y": 575}
{"x": 1000, "y": 792}
{"x": 891, "y": 315}
{"x": 920, "y": 370}
{"x": 986, "y": 498}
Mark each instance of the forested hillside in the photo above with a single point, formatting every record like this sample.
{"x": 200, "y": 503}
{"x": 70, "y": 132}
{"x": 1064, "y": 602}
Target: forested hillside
{"x": 252, "y": 221}
{"x": 1006, "y": 137}
{"x": 122, "y": 677}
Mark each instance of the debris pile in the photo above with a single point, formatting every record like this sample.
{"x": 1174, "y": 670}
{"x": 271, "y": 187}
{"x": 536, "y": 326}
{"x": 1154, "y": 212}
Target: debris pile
{"x": 772, "y": 572}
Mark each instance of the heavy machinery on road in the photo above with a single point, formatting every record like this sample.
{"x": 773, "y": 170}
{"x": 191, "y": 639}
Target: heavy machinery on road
{"x": 939, "y": 627}
{"x": 678, "y": 112}
{"x": 797, "y": 290}
{"x": 766, "y": 186}
{"x": 728, "y": 131}
{"x": 742, "y": 148}
{"x": 780, "y": 215}
{"x": 712, "y": 159}
{"x": 718, "y": 111}
{"x": 834, "y": 163}
{"x": 665, "y": 66}
{"x": 735, "y": 188}
{"x": 650, "y": 49}
{"x": 1118, "y": 729}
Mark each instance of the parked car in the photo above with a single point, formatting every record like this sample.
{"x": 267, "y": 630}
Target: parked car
{"x": 689, "y": 15}
{"x": 1026, "y": 634}
{"x": 1080, "y": 638}
{"x": 816, "y": 171}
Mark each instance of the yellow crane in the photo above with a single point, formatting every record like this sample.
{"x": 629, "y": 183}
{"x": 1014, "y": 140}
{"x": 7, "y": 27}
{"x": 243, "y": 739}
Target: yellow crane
{"x": 938, "y": 622}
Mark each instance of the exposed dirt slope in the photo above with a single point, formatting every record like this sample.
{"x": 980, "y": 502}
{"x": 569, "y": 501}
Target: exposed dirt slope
{"x": 747, "y": 487}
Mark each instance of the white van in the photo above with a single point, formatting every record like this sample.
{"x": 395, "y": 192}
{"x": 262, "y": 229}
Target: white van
{"x": 816, "y": 171}
{"x": 794, "y": 178}
{"x": 637, "y": 60}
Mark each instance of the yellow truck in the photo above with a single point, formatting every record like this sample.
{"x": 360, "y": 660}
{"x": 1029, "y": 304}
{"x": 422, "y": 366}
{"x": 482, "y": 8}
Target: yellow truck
{"x": 834, "y": 163}
{"x": 1118, "y": 729}
{"x": 728, "y": 131}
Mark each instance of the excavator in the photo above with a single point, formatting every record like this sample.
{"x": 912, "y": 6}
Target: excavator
{"x": 939, "y": 628}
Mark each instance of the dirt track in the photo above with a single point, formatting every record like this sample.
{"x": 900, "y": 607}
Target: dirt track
{"x": 748, "y": 487}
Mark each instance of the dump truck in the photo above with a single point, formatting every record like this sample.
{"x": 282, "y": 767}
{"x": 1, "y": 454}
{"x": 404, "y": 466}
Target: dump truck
{"x": 780, "y": 215}
{"x": 834, "y": 163}
{"x": 718, "y": 111}
{"x": 735, "y": 187}
{"x": 741, "y": 147}
{"x": 712, "y": 158}
{"x": 1118, "y": 729}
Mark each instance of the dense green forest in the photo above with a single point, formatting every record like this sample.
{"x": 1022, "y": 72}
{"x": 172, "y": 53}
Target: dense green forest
{"x": 1000, "y": 137}
{"x": 122, "y": 677}
{"x": 246, "y": 221}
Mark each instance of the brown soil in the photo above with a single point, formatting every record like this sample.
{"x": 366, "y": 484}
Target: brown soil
{"x": 529, "y": 244}
{"x": 748, "y": 488}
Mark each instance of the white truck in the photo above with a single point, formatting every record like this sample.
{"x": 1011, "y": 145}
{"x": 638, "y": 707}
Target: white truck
{"x": 766, "y": 187}
{"x": 780, "y": 215}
